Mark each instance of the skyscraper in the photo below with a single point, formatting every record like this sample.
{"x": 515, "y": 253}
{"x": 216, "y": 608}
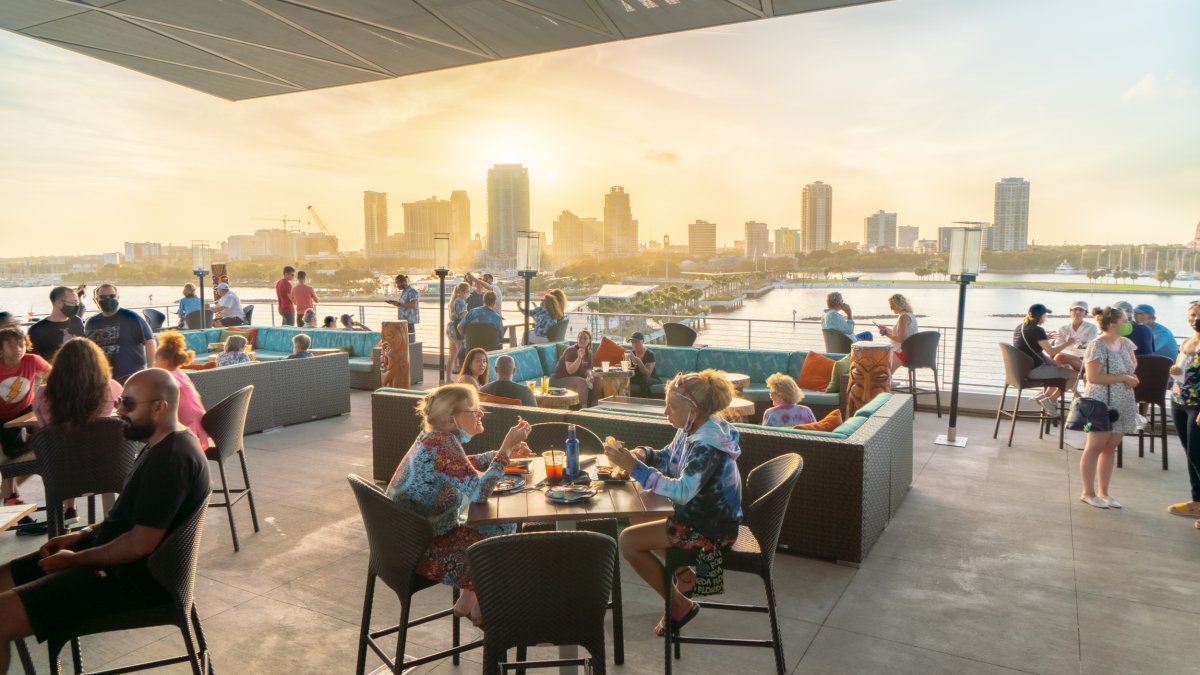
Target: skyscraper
{"x": 620, "y": 229}
{"x": 879, "y": 230}
{"x": 816, "y": 217}
{"x": 787, "y": 240}
{"x": 460, "y": 229}
{"x": 758, "y": 239}
{"x": 375, "y": 219}
{"x": 508, "y": 209}
{"x": 421, "y": 220}
{"x": 1011, "y": 218}
{"x": 702, "y": 239}
{"x": 576, "y": 237}
{"x": 906, "y": 236}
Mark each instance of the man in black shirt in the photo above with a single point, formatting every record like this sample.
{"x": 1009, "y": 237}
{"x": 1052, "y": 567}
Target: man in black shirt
{"x": 645, "y": 373}
{"x": 63, "y": 323}
{"x": 1031, "y": 339}
{"x": 96, "y": 572}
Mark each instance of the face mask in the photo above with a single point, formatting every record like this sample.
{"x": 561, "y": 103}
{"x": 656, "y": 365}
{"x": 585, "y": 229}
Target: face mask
{"x": 109, "y": 305}
{"x": 463, "y": 436}
{"x": 1196, "y": 325}
{"x": 70, "y": 310}
{"x": 1126, "y": 329}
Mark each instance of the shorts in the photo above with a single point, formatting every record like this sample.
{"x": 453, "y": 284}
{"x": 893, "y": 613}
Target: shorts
{"x": 900, "y": 356}
{"x": 1047, "y": 371}
{"x": 13, "y": 441}
{"x": 56, "y": 603}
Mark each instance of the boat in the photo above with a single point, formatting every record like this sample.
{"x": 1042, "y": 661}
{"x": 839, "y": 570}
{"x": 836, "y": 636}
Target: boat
{"x": 1064, "y": 268}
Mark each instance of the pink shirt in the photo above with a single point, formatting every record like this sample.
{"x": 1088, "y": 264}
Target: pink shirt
{"x": 41, "y": 407}
{"x": 191, "y": 408}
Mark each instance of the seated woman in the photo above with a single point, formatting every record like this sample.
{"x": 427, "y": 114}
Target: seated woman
{"x": 786, "y": 410}
{"x": 187, "y": 304}
{"x": 233, "y": 354}
{"x": 349, "y": 323}
{"x": 474, "y": 371}
{"x": 78, "y": 390}
{"x": 697, "y": 471}
{"x": 329, "y": 322}
{"x": 906, "y": 324}
{"x": 437, "y": 479}
{"x": 172, "y": 355}
{"x": 544, "y": 316}
{"x": 574, "y": 370}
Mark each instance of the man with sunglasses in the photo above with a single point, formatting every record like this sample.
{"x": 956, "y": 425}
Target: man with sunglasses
{"x": 126, "y": 338}
{"x": 96, "y": 572}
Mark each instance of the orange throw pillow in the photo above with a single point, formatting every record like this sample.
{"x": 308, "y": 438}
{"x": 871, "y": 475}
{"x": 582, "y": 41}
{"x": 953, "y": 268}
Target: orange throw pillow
{"x": 614, "y": 354}
{"x": 485, "y": 397}
{"x": 211, "y": 363}
{"x": 814, "y": 374}
{"x": 250, "y": 333}
{"x": 827, "y": 423}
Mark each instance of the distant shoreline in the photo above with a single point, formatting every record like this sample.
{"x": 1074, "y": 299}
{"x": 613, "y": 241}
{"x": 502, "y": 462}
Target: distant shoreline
{"x": 1013, "y": 285}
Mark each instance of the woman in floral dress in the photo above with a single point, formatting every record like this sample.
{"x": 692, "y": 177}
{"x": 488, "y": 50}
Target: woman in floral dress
{"x": 438, "y": 480}
{"x": 458, "y": 310}
{"x": 1110, "y": 366}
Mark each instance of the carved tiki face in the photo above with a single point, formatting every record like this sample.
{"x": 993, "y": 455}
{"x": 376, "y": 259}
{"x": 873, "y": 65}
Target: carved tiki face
{"x": 870, "y": 374}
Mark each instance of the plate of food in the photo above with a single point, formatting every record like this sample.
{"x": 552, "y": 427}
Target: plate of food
{"x": 570, "y": 494}
{"x": 509, "y": 484}
{"x": 556, "y": 391}
{"x": 612, "y": 474}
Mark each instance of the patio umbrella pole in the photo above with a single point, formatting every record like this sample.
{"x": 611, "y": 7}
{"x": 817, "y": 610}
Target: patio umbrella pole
{"x": 950, "y": 437}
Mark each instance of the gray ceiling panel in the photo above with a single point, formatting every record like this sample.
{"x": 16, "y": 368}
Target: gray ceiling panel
{"x": 239, "y": 49}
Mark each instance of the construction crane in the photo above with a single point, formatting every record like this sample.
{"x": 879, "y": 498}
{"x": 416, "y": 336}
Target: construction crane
{"x": 282, "y": 221}
{"x": 325, "y": 228}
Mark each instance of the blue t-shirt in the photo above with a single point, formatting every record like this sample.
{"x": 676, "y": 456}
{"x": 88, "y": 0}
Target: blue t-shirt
{"x": 187, "y": 306}
{"x": 1165, "y": 344}
{"x": 122, "y": 337}
{"x": 482, "y": 315}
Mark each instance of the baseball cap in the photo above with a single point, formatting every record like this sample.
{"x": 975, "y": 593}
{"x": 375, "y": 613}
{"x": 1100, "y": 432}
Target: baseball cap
{"x": 222, "y": 286}
{"x": 1079, "y": 304}
{"x": 1144, "y": 309}
{"x": 1039, "y": 309}
{"x": 637, "y": 336}
{"x": 1124, "y": 306}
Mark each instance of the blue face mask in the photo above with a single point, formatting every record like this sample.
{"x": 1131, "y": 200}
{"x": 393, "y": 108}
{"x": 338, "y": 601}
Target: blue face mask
{"x": 463, "y": 436}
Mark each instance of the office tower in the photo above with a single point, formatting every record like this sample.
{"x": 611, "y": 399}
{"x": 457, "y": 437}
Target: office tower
{"x": 702, "y": 239}
{"x": 620, "y": 229}
{"x": 508, "y": 209}
{"x": 906, "y": 236}
{"x": 816, "y": 217}
{"x": 460, "y": 229}
{"x": 421, "y": 220}
{"x": 316, "y": 244}
{"x": 1011, "y": 218}
{"x": 943, "y": 239}
{"x": 879, "y": 231}
{"x": 988, "y": 239}
{"x": 787, "y": 240}
{"x": 576, "y": 237}
{"x": 375, "y": 219}
{"x": 758, "y": 239}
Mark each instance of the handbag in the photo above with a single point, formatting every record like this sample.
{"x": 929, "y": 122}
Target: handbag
{"x": 1092, "y": 414}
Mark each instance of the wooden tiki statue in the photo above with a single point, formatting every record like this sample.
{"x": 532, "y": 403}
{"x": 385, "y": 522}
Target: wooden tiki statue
{"x": 870, "y": 374}
{"x": 394, "y": 367}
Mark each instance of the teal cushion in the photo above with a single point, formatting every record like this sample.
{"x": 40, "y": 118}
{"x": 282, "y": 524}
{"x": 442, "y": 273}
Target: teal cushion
{"x": 529, "y": 363}
{"x": 850, "y": 426}
{"x": 548, "y": 353}
{"x": 280, "y": 339}
{"x": 759, "y": 364}
{"x": 793, "y": 432}
{"x": 756, "y": 392}
{"x": 197, "y": 340}
{"x": 761, "y": 393}
{"x": 361, "y": 364}
{"x": 361, "y": 342}
{"x": 260, "y": 355}
{"x": 873, "y": 405}
{"x": 670, "y": 361}
{"x": 397, "y": 390}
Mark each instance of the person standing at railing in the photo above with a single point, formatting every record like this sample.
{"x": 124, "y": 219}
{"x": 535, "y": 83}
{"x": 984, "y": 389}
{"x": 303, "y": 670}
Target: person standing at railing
{"x": 408, "y": 307}
{"x": 62, "y": 325}
{"x": 1185, "y": 408}
{"x": 283, "y": 297}
{"x": 839, "y": 317}
{"x": 458, "y": 312}
{"x": 304, "y": 296}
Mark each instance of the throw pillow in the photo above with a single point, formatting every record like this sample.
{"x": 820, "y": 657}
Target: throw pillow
{"x": 211, "y": 363}
{"x": 608, "y": 351}
{"x": 251, "y": 335}
{"x": 828, "y": 423}
{"x": 485, "y": 397}
{"x": 814, "y": 374}
{"x": 840, "y": 367}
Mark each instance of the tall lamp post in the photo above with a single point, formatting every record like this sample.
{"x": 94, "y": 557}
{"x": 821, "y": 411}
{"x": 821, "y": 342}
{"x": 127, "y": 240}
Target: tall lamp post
{"x": 200, "y": 263}
{"x": 666, "y": 260}
{"x": 963, "y": 267}
{"x": 441, "y": 267}
{"x": 529, "y": 257}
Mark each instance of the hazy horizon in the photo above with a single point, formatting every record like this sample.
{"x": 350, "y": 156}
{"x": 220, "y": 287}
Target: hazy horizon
{"x": 913, "y": 106}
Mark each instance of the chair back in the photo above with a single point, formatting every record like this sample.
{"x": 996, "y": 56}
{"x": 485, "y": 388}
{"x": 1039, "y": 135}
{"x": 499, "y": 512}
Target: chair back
{"x": 396, "y": 536}
{"x": 679, "y": 335}
{"x": 543, "y": 587}
{"x": 837, "y": 342}
{"x": 173, "y": 563}
{"x": 92, "y": 459}
{"x": 1017, "y": 365}
{"x": 155, "y": 318}
{"x": 1153, "y": 373}
{"x": 920, "y": 349}
{"x": 558, "y": 332}
{"x": 481, "y": 335}
{"x": 195, "y": 321}
{"x": 768, "y": 491}
{"x": 547, "y": 435}
{"x": 225, "y": 422}
{"x": 248, "y": 312}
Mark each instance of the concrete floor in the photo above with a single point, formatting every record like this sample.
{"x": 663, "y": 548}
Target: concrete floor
{"x": 991, "y": 566}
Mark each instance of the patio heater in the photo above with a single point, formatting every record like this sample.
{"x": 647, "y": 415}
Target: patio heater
{"x": 441, "y": 267}
{"x": 963, "y": 266}
{"x": 200, "y": 262}
{"x": 529, "y": 255}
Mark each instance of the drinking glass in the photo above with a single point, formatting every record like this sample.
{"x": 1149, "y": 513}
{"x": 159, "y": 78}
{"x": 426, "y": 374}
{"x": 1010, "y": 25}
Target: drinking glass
{"x": 554, "y": 464}
{"x": 532, "y": 385}
{"x": 545, "y": 384}
{"x": 626, "y": 366}
{"x": 604, "y": 366}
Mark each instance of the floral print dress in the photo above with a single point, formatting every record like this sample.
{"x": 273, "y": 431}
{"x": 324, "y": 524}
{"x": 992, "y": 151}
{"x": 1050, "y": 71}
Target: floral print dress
{"x": 1119, "y": 361}
{"x": 458, "y": 310}
{"x": 1185, "y": 393}
{"x": 438, "y": 480}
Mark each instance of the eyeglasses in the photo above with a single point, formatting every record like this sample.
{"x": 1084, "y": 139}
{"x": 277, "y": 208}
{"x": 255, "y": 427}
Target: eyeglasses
{"x": 476, "y": 413}
{"x": 129, "y": 402}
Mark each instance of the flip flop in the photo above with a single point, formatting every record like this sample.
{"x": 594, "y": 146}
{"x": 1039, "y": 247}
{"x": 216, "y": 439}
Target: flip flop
{"x": 661, "y": 629}
{"x": 686, "y": 580}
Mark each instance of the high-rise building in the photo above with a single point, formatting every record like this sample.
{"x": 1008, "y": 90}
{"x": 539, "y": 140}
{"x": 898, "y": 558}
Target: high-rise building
{"x": 508, "y": 209}
{"x": 421, "y": 220}
{"x": 576, "y": 237}
{"x": 375, "y": 221}
{"x": 787, "y": 240}
{"x": 816, "y": 217}
{"x": 702, "y": 239}
{"x": 906, "y": 236}
{"x": 1011, "y": 218}
{"x": 879, "y": 231}
{"x": 620, "y": 229}
{"x": 943, "y": 240}
{"x": 460, "y": 228}
{"x": 758, "y": 239}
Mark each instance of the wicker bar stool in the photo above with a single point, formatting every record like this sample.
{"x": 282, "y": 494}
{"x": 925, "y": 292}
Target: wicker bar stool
{"x": 93, "y": 459}
{"x": 226, "y": 423}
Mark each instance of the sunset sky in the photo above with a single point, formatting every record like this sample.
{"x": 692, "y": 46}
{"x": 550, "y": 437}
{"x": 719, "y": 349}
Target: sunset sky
{"x": 912, "y": 106}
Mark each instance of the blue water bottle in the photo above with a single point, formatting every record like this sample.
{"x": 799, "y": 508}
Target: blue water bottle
{"x": 571, "y": 468}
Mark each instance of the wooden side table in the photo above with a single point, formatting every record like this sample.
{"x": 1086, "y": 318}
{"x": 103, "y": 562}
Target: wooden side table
{"x": 738, "y": 380}
{"x": 739, "y": 409}
{"x": 615, "y": 382}
{"x": 565, "y": 398}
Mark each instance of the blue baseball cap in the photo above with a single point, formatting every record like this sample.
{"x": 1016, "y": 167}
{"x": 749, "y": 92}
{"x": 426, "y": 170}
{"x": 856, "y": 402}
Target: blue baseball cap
{"x": 1144, "y": 309}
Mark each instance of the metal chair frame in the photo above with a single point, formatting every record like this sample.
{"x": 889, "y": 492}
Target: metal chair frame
{"x": 225, "y": 423}
{"x": 155, "y": 318}
{"x": 1017, "y": 365}
{"x": 836, "y": 342}
{"x": 920, "y": 350}
{"x": 678, "y": 335}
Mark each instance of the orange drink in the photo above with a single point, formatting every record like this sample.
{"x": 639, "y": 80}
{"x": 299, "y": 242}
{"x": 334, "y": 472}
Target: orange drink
{"x": 554, "y": 464}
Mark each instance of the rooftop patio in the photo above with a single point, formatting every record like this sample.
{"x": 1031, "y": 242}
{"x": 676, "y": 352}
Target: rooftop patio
{"x": 991, "y": 566}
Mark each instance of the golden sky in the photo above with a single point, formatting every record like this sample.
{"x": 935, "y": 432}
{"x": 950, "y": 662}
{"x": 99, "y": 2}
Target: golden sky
{"x": 912, "y": 106}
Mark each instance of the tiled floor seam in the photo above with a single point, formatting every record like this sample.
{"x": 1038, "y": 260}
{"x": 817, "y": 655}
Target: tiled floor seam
{"x": 928, "y": 649}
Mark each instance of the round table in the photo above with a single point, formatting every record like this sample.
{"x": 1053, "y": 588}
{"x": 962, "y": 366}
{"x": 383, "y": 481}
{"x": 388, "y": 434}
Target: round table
{"x": 552, "y": 400}
{"x": 739, "y": 409}
{"x": 738, "y": 380}
{"x": 614, "y": 381}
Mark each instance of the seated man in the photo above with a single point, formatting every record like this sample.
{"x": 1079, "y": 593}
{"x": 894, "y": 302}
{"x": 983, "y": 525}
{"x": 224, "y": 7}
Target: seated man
{"x": 504, "y": 385}
{"x": 645, "y": 373}
{"x": 835, "y": 307}
{"x": 300, "y": 345}
{"x": 228, "y": 306}
{"x": 349, "y": 323}
{"x": 1165, "y": 343}
{"x": 1141, "y": 335}
{"x": 1077, "y": 332}
{"x": 1032, "y": 339}
{"x": 100, "y": 571}
{"x": 485, "y": 314}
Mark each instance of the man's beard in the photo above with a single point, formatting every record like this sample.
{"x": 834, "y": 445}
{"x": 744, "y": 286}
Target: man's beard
{"x": 136, "y": 432}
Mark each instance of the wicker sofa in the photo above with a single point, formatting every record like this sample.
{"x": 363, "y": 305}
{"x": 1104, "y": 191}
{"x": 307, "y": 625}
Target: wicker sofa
{"x": 274, "y": 343}
{"x": 853, "y": 482}
{"x": 285, "y": 391}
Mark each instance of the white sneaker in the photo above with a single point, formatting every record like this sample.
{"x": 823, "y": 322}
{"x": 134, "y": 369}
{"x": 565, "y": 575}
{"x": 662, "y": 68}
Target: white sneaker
{"x": 1094, "y": 501}
{"x": 1049, "y": 406}
{"x": 1112, "y": 502}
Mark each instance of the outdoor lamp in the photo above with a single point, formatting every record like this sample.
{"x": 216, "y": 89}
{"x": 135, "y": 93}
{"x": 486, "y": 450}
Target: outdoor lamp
{"x": 965, "y": 251}
{"x": 441, "y": 267}
{"x": 963, "y": 266}
{"x": 529, "y": 258}
{"x": 201, "y": 258}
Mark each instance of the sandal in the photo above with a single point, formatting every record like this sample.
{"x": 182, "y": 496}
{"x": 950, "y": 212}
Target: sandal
{"x": 661, "y": 629}
{"x": 685, "y": 581}
{"x": 1189, "y": 509}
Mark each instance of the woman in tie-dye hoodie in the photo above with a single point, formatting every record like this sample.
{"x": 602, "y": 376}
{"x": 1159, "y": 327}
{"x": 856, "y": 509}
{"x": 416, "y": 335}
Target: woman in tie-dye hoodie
{"x": 698, "y": 472}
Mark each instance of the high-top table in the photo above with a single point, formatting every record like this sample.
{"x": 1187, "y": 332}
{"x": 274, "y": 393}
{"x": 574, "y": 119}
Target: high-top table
{"x": 10, "y": 515}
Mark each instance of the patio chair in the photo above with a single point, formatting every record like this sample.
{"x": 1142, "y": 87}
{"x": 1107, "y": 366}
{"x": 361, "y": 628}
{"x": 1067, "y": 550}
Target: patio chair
{"x": 1153, "y": 379}
{"x": 836, "y": 342}
{"x": 155, "y": 318}
{"x": 225, "y": 423}
{"x": 173, "y": 566}
{"x": 480, "y": 335}
{"x": 679, "y": 335}
{"x": 558, "y": 332}
{"x": 1017, "y": 365}
{"x": 248, "y": 312}
{"x": 86, "y": 461}
{"x": 195, "y": 321}
{"x": 559, "y": 598}
{"x": 768, "y": 491}
{"x": 397, "y": 538}
{"x": 921, "y": 351}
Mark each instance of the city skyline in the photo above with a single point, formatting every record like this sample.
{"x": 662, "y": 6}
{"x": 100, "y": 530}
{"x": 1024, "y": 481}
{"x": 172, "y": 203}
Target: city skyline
{"x": 691, "y": 124}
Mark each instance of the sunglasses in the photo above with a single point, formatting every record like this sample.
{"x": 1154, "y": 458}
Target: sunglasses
{"x": 129, "y": 402}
